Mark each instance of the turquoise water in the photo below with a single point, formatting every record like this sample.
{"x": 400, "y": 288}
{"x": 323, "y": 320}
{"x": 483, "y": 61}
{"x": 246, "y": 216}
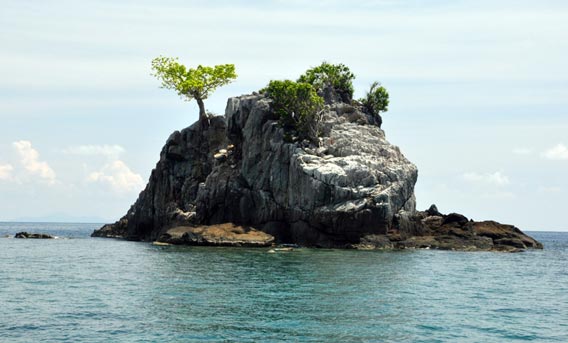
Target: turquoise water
{"x": 102, "y": 290}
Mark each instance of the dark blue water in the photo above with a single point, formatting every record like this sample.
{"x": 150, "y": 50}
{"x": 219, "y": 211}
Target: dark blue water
{"x": 102, "y": 290}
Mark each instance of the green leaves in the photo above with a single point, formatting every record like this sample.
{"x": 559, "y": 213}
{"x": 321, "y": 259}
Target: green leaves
{"x": 204, "y": 80}
{"x": 297, "y": 105}
{"x": 191, "y": 83}
{"x": 325, "y": 75}
{"x": 376, "y": 99}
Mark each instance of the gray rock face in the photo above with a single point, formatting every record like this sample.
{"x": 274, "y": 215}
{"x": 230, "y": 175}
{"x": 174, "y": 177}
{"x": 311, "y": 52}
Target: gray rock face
{"x": 244, "y": 169}
{"x": 352, "y": 184}
{"x": 169, "y": 197}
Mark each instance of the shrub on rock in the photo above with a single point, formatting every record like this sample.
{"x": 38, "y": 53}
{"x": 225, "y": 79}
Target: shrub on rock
{"x": 297, "y": 105}
{"x": 376, "y": 100}
{"x": 335, "y": 76}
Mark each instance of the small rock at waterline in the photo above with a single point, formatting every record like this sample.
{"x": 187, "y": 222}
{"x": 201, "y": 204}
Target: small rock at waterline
{"x": 33, "y": 235}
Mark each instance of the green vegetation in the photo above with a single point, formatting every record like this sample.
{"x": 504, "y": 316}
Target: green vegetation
{"x": 297, "y": 105}
{"x": 337, "y": 76}
{"x": 191, "y": 83}
{"x": 376, "y": 100}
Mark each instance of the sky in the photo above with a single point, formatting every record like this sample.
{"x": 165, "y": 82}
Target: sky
{"x": 478, "y": 90}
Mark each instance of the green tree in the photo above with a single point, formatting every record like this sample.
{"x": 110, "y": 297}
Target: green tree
{"x": 191, "y": 83}
{"x": 376, "y": 100}
{"x": 337, "y": 76}
{"x": 297, "y": 104}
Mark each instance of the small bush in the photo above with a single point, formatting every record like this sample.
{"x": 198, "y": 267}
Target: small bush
{"x": 376, "y": 100}
{"x": 298, "y": 106}
{"x": 326, "y": 74}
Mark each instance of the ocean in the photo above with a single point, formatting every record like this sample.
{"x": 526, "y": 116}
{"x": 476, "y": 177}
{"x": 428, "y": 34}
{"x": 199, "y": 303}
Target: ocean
{"x": 82, "y": 289}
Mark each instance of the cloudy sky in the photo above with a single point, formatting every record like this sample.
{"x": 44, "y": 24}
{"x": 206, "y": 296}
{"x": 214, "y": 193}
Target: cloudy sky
{"x": 479, "y": 94}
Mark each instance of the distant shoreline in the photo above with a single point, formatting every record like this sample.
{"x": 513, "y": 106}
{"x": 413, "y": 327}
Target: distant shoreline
{"x": 46, "y": 222}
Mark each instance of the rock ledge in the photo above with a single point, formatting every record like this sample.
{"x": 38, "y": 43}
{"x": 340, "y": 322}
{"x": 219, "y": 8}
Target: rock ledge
{"x": 226, "y": 234}
{"x": 451, "y": 232}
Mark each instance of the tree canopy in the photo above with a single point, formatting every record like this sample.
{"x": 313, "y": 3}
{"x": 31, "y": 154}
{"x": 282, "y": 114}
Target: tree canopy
{"x": 337, "y": 76}
{"x": 192, "y": 83}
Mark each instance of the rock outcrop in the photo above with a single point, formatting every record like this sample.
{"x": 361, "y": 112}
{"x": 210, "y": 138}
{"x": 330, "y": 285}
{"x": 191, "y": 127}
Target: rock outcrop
{"x": 433, "y": 230}
{"x": 353, "y": 183}
{"x": 33, "y": 235}
{"x": 352, "y": 189}
{"x": 227, "y": 234}
{"x": 170, "y": 196}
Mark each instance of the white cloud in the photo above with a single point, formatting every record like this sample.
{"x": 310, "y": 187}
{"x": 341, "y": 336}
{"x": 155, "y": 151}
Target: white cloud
{"x": 110, "y": 151}
{"x": 29, "y": 158}
{"x": 522, "y": 151}
{"x": 118, "y": 176}
{"x": 6, "y": 172}
{"x": 558, "y": 152}
{"x": 496, "y": 179}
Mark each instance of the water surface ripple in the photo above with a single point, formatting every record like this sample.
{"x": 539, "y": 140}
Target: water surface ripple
{"x": 103, "y": 290}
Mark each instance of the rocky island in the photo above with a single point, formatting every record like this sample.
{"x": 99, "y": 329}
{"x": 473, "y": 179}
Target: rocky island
{"x": 246, "y": 179}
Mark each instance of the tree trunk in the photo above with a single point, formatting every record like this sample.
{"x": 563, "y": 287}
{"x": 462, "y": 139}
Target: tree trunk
{"x": 202, "y": 114}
